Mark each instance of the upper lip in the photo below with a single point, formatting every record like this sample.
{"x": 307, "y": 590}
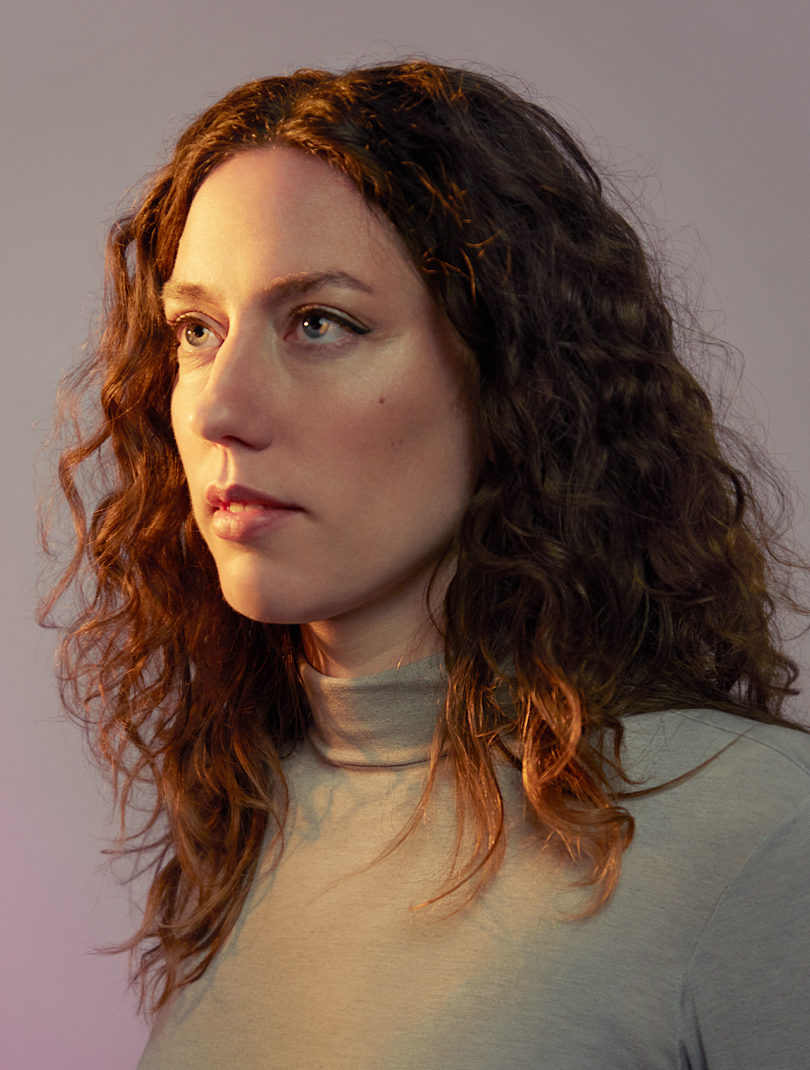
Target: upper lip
{"x": 219, "y": 496}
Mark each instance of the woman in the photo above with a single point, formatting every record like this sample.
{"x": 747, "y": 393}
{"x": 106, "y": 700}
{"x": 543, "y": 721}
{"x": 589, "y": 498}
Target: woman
{"x": 426, "y": 604}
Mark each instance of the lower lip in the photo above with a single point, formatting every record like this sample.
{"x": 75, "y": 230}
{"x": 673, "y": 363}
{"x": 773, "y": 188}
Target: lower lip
{"x": 249, "y": 523}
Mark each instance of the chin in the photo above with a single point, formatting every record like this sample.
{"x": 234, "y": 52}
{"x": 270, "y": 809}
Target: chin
{"x": 255, "y": 605}
{"x": 258, "y": 600}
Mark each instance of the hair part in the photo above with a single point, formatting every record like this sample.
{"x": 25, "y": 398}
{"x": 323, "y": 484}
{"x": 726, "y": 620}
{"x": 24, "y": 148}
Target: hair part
{"x": 613, "y": 559}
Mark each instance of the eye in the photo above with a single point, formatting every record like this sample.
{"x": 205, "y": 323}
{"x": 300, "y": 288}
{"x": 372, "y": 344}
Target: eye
{"x": 323, "y": 325}
{"x": 193, "y": 334}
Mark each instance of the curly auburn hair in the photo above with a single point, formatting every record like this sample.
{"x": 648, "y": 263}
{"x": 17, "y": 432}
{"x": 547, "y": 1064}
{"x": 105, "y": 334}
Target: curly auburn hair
{"x": 612, "y": 554}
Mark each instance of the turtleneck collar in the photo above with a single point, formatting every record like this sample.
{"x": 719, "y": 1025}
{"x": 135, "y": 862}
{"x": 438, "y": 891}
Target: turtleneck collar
{"x": 380, "y": 720}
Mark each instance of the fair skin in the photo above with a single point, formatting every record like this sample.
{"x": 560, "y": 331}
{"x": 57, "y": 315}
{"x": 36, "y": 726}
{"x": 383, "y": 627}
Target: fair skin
{"x": 317, "y": 410}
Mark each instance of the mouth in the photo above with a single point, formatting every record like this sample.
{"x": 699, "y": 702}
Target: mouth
{"x": 236, "y": 498}
{"x": 243, "y": 515}
{"x": 244, "y": 507}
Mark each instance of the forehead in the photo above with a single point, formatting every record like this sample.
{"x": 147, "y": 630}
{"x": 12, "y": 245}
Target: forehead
{"x": 286, "y": 211}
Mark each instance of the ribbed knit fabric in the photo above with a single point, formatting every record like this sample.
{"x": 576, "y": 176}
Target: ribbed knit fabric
{"x": 701, "y": 959}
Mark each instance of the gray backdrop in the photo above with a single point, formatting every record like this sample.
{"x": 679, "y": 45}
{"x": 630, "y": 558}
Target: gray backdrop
{"x": 705, "y": 100}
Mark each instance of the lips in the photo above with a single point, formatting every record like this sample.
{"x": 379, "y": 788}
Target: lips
{"x": 242, "y": 514}
{"x": 247, "y": 507}
{"x": 236, "y": 498}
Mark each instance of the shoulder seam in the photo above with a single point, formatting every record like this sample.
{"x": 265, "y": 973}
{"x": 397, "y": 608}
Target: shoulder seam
{"x": 688, "y": 715}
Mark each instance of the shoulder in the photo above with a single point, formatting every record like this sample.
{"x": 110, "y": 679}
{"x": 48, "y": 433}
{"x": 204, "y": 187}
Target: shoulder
{"x": 790, "y": 742}
{"x": 720, "y": 861}
{"x": 717, "y": 793}
{"x": 732, "y": 755}
{"x": 743, "y": 823}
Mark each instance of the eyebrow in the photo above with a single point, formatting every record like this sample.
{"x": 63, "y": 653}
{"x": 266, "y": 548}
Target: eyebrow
{"x": 278, "y": 290}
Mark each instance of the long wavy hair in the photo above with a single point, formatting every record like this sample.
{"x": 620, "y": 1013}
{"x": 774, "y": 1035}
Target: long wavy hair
{"x": 614, "y": 556}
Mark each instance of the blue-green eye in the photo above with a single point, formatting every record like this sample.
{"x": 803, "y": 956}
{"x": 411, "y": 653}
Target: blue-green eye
{"x": 324, "y": 325}
{"x": 317, "y": 325}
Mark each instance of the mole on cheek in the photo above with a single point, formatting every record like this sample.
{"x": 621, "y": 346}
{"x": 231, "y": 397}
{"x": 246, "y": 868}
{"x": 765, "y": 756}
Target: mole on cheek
{"x": 382, "y": 401}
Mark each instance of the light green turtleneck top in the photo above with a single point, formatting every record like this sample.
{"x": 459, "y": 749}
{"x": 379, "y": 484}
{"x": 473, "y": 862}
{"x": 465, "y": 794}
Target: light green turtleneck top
{"x": 701, "y": 958}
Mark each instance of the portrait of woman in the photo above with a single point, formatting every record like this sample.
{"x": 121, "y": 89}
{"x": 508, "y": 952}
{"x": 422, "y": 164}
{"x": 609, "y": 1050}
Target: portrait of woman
{"x": 428, "y": 626}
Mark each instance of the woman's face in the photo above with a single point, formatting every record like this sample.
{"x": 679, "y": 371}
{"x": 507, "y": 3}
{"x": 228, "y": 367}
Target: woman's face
{"x": 318, "y": 407}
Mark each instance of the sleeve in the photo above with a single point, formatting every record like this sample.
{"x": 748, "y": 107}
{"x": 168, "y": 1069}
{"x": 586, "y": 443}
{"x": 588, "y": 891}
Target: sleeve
{"x": 744, "y": 1004}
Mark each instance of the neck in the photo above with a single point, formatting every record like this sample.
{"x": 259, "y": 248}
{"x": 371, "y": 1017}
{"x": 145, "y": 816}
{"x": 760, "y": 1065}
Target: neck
{"x": 334, "y": 653}
{"x": 385, "y": 634}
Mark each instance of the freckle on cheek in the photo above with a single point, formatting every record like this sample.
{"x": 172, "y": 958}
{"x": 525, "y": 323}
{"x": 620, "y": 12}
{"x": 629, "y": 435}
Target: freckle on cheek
{"x": 382, "y": 401}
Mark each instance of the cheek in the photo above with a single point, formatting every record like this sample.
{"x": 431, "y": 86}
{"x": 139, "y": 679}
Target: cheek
{"x": 412, "y": 458}
{"x": 392, "y": 431}
{"x": 178, "y": 416}
{"x": 419, "y": 429}
{"x": 189, "y": 448}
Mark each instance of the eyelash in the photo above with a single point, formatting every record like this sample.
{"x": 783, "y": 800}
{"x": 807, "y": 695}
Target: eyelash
{"x": 300, "y": 315}
{"x": 186, "y": 320}
{"x": 297, "y": 317}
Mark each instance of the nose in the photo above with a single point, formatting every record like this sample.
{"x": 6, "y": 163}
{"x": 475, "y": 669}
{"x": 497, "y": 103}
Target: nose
{"x": 235, "y": 402}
